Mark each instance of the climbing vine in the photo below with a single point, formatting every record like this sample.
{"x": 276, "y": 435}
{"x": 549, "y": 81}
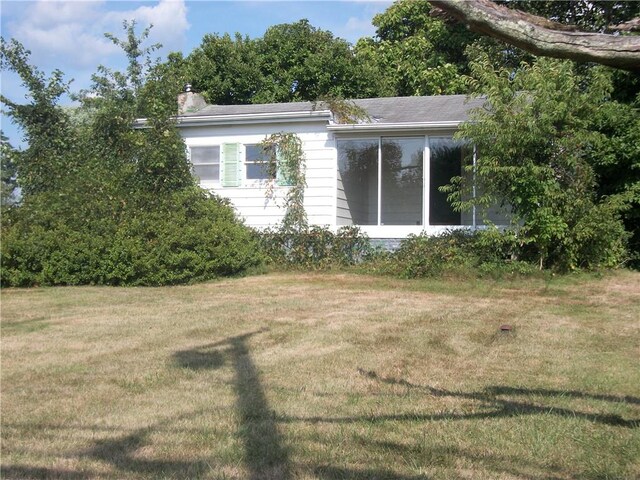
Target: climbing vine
{"x": 285, "y": 164}
{"x": 344, "y": 111}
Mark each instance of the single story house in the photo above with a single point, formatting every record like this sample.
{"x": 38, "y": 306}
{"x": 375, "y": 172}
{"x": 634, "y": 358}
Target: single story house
{"x": 381, "y": 174}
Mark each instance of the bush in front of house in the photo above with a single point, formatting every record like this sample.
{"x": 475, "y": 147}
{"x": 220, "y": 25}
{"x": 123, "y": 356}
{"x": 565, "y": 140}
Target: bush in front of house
{"x": 314, "y": 247}
{"x": 185, "y": 237}
{"x": 460, "y": 252}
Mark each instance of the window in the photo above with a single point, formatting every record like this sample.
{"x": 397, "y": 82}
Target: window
{"x": 206, "y": 163}
{"x": 256, "y": 163}
{"x": 446, "y": 163}
{"x": 381, "y": 181}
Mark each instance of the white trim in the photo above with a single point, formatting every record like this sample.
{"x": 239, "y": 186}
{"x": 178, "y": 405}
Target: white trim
{"x": 378, "y": 127}
{"x": 426, "y": 187}
{"x": 244, "y": 118}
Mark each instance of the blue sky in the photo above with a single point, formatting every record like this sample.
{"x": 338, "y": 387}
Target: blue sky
{"x": 69, "y": 35}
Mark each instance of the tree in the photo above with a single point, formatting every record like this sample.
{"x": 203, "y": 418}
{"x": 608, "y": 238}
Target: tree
{"x": 538, "y": 137}
{"x": 541, "y": 36}
{"x": 8, "y": 172}
{"x": 46, "y": 127}
{"x": 121, "y": 206}
{"x": 290, "y": 62}
{"x": 414, "y": 53}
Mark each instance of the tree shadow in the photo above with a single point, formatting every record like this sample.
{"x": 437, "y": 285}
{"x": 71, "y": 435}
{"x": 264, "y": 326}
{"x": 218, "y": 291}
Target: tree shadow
{"x": 25, "y": 472}
{"x": 120, "y": 452}
{"x": 338, "y": 473}
{"x": 489, "y": 397}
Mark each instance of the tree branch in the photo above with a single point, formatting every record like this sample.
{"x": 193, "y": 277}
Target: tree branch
{"x": 540, "y": 36}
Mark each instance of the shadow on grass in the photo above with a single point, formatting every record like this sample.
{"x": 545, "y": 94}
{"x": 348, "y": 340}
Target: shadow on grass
{"x": 338, "y": 473}
{"x": 198, "y": 359}
{"x": 25, "y": 472}
{"x": 121, "y": 453}
{"x": 500, "y": 408}
{"x": 448, "y": 456}
{"x": 264, "y": 452}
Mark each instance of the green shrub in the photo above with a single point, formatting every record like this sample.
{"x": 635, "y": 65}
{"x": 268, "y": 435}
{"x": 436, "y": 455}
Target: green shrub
{"x": 482, "y": 253}
{"x": 314, "y": 247}
{"x": 187, "y": 236}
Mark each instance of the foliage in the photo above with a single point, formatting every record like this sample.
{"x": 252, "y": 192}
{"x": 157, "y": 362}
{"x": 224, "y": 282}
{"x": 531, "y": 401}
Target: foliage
{"x": 9, "y": 183}
{"x": 453, "y": 253}
{"x": 415, "y": 53}
{"x": 286, "y": 164}
{"x": 290, "y": 62}
{"x": 185, "y": 237}
{"x": 590, "y": 16}
{"x": 314, "y": 247}
{"x": 45, "y": 165}
{"x": 125, "y": 209}
{"x": 535, "y": 137}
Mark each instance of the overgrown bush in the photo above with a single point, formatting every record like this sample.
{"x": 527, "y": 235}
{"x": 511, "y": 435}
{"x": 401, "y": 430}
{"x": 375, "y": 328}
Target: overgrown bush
{"x": 314, "y": 247}
{"x": 186, "y": 237}
{"x": 453, "y": 253}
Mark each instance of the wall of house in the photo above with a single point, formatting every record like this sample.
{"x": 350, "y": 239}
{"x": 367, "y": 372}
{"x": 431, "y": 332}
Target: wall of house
{"x": 249, "y": 198}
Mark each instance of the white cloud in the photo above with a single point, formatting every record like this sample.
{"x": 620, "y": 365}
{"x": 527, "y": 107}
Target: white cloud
{"x": 169, "y": 20}
{"x": 71, "y": 33}
{"x": 358, "y": 27}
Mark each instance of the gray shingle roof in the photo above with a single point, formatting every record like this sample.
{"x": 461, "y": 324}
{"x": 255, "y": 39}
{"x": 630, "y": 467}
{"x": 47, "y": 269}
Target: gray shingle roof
{"x": 442, "y": 108}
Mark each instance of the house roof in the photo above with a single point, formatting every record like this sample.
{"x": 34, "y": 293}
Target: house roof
{"x": 442, "y": 111}
{"x": 441, "y": 108}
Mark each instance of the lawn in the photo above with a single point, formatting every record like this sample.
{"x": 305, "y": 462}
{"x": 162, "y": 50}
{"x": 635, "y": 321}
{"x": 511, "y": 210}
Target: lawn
{"x": 324, "y": 376}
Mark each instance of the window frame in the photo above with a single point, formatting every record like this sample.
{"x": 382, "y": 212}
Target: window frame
{"x": 246, "y": 163}
{"x": 425, "y": 177}
{"x": 190, "y": 149}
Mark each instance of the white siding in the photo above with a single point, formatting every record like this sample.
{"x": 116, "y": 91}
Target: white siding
{"x": 249, "y": 199}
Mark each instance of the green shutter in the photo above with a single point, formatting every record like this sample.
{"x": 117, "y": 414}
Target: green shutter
{"x": 283, "y": 176}
{"x": 230, "y": 165}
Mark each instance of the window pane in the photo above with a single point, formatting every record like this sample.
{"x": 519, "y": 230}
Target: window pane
{"x": 402, "y": 181}
{"x": 207, "y": 172}
{"x": 446, "y": 162}
{"x": 254, "y": 153}
{"x": 200, "y": 155}
{"x": 357, "y": 182}
{"x": 256, "y": 162}
{"x": 257, "y": 171}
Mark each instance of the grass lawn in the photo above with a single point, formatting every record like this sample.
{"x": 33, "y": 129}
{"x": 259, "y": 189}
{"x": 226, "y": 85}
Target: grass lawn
{"x": 324, "y": 376}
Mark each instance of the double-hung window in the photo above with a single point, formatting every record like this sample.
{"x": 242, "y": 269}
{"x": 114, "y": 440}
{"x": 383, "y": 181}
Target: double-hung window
{"x": 206, "y": 163}
{"x": 256, "y": 163}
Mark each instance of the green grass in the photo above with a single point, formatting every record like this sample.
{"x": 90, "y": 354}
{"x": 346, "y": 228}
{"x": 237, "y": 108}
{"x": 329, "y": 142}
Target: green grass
{"x": 324, "y": 376}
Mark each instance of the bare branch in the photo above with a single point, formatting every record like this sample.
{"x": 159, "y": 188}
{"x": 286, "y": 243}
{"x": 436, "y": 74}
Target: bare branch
{"x": 544, "y": 37}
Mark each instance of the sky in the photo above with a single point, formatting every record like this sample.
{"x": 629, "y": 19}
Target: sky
{"x": 69, "y": 35}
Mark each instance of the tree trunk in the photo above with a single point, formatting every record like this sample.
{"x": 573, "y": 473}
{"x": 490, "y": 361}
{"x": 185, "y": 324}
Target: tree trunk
{"x": 540, "y": 36}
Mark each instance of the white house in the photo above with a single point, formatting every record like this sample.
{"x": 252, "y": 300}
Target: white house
{"x": 381, "y": 174}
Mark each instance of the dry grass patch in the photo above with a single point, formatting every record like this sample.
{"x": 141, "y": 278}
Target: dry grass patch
{"x": 324, "y": 376}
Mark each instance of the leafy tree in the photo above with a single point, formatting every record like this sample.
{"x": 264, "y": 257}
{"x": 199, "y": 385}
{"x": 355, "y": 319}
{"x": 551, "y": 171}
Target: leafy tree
{"x": 290, "y": 62}
{"x": 127, "y": 209}
{"x": 9, "y": 183}
{"x": 301, "y": 62}
{"x": 226, "y": 70}
{"x": 46, "y": 127}
{"x": 538, "y": 141}
{"x": 415, "y": 53}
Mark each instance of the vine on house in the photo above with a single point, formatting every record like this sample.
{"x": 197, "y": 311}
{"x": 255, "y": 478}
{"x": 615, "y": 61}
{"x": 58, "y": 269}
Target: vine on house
{"x": 285, "y": 164}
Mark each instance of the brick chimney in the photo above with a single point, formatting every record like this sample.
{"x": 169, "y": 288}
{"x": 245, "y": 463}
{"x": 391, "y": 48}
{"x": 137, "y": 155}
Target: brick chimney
{"x": 189, "y": 101}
